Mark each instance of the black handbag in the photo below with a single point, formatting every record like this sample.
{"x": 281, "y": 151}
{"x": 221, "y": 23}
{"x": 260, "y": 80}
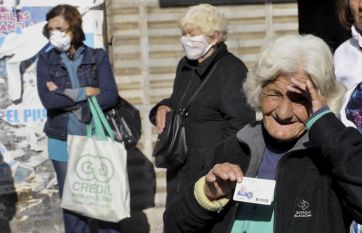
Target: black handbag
{"x": 125, "y": 121}
{"x": 170, "y": 150}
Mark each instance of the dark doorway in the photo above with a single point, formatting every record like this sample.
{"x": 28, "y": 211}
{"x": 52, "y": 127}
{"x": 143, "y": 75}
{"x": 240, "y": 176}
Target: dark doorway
{"x": 320, "y": 18}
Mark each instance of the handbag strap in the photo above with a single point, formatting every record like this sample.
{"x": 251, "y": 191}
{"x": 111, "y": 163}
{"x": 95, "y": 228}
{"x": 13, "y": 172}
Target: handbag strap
{"x": 188, "y": 105}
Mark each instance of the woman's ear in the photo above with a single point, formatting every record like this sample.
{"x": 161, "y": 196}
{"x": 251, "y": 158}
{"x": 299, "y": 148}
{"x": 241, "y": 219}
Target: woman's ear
{"x": 46, "y": 30}
{"x": 215, "y": 38}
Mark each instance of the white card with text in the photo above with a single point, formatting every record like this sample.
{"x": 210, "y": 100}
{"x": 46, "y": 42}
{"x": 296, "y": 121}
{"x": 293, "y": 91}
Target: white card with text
{"x": 254, "y": 190}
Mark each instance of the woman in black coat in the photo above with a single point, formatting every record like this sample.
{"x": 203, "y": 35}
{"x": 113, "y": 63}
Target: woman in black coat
{"x": 219, "y": 109}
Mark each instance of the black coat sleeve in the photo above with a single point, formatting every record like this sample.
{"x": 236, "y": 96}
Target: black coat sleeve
{"x": 167, "y": 101}
{"x": 185, "y": 214}
{"x": 341, "y": 147}
{"x": 153, "y": 111}
{"x": 237, "y": 113}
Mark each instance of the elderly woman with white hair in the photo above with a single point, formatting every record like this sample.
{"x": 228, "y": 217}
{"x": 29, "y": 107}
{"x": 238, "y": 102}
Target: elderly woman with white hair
{"x": 220, "y": 108}
{"x": 296, "y": 169}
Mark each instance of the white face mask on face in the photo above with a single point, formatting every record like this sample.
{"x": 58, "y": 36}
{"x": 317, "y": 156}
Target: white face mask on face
{"x": 60, "y": 40}
{"x": 195, "y": 47}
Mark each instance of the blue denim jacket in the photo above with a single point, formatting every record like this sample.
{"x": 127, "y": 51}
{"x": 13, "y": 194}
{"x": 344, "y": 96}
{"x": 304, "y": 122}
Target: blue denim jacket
{"x": 94, "y": 71}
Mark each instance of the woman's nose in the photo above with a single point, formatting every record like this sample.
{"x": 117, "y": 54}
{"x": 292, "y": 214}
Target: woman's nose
{"x": 284, "y": 112}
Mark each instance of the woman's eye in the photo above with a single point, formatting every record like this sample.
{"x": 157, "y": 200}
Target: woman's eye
{"x": 298, "y": 98}
{"x": 274, "y": 96}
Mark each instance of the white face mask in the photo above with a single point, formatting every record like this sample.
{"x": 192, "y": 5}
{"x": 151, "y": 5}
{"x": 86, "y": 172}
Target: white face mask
{"x": 60, "y": 40}
{"x": 195, "y": 47}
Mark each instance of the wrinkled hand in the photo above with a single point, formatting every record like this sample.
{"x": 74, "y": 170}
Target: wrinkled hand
{"x": 92, "y": 91}
{"x": 221, "y": 180}
{"x": 161, "y": 117}
{"x": 308, "y": 89}
{"x": 51, "y": 86}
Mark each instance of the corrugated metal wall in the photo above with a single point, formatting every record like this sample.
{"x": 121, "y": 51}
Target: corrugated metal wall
{"x": 145, "y": 51}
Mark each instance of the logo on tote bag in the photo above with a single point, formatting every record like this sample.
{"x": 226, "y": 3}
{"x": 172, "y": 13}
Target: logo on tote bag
{"x": 90, "y": 167}
{"x": 94, "y": 174}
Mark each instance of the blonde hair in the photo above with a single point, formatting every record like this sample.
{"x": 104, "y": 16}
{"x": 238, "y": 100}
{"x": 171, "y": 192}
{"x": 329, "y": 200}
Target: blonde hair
{"x": 205, "y": 18}
{"x": 292, "y": 54}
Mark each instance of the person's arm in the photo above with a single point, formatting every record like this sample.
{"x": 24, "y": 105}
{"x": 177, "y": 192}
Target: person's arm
{"x": 108, "y": 92}
{"x": 193, "y": 211}
{"x": 107, "y": 88}
{"x": 157, "y": 114}
{"x": 79, "y": 96}
{"x": 153, "y": 113}
{"x": 233, "y": 105}
{"x": 50, "y": 99}
{"x": 341, "y": 148}
{"x": 204, "y": 203}
{"x": 75, "y": 94}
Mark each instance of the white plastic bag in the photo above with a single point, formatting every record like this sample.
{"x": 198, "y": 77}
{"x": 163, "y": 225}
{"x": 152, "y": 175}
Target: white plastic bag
{"x": 96, "y": 183}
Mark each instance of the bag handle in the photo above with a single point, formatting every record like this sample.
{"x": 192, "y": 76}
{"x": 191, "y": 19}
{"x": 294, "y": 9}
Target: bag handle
{"x": 97, "y": 124}
{"x": 188, "y": 105}
{"x": 102, "y": 117}
{"x": 99, "y": 120}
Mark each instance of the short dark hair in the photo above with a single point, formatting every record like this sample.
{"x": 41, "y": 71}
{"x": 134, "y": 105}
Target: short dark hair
{"x": 344, "y": 14}
{"x": 73, "y": 18}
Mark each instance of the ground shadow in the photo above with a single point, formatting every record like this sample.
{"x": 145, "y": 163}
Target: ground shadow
{"x": 142, "y": 180}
